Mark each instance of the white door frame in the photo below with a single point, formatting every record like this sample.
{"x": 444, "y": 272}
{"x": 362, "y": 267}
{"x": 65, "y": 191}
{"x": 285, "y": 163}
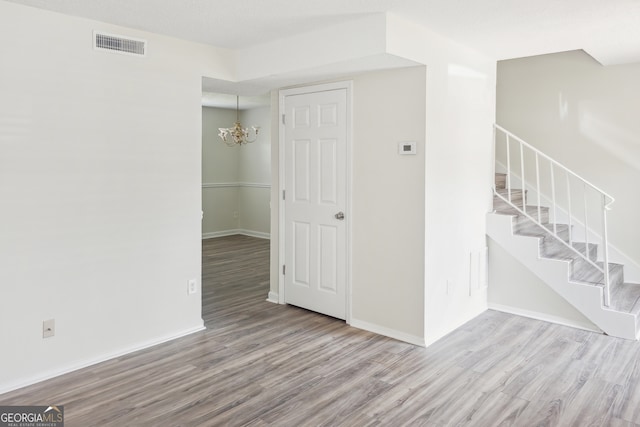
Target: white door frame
{"x": 348, "y": 86}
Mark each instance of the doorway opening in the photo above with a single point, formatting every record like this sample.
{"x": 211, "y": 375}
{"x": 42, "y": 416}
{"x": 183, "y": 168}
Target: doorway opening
{"x": 236, "y": 194}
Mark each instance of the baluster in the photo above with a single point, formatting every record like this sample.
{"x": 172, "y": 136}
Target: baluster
{"x": 538, "y": 188}
{"x": 605, "y": 253}
{"x": 586, "y": 217}
{"x": 522, "y": 180}
{"x": 508, "y": 170}
{"x": 570, "y": 214}
{"x": 495, "y": 158}
{"x": 553, "y": 201}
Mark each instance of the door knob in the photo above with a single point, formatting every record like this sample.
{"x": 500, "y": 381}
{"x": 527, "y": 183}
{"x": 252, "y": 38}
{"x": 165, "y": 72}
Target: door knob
{"x": 340, "y": 216}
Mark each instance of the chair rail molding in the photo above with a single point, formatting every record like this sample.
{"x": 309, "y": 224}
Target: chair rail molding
{"x": 234, "y": 184}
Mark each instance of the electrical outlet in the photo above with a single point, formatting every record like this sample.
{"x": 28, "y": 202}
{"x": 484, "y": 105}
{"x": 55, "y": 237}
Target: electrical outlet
{"x": 449, "y": 286}
{"x": 48, "y": 328}
{"x": 192, "y": 286}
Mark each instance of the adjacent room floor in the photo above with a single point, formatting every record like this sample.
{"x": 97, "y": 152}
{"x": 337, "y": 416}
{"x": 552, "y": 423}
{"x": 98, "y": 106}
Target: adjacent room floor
{"x": 260, "y": 364}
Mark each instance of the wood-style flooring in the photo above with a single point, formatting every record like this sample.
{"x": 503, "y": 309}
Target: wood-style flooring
{"x": 262, "y": 364}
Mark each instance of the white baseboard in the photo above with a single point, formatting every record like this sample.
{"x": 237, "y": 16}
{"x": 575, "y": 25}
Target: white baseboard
{"x": 5, "y": 388}
{"x": 235, "y": 231}
{"x": 544, "y": 317}
{"x": 273, "y": 297}
{"x": 224, "y": 233}
{"x": 387, "y": 332}
{"x": 258, "y": 234}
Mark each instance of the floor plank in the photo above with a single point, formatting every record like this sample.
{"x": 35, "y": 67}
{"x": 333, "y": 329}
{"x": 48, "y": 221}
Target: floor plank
{"x": 261, "y": 364}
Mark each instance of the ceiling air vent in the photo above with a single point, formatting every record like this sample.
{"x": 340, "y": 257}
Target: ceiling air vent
{"x": 119, "y": 44}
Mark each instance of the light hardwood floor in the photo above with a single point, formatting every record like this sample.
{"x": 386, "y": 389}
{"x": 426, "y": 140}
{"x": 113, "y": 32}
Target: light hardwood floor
{"x": 261, "y": 364}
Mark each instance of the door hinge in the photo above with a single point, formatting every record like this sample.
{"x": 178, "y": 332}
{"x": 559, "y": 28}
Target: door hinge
{"x": 283, "y": 194}
{"x": 283, "y": 119}
{"x": 284, "y": 270}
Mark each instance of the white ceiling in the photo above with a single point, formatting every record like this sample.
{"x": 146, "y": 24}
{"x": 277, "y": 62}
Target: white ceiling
{"x": 607, "y": 29}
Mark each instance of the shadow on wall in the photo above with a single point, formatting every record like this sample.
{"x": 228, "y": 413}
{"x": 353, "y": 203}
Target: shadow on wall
{"x": 619, "y": 141}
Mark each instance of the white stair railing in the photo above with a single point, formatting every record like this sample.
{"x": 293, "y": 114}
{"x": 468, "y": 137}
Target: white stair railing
{"x": 546, "y": 178}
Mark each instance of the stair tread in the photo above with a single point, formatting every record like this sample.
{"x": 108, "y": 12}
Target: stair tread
{"x": 514, "y": 191}
{"x": 582, "y": 271}
{"x": 528, "y": 228}
{"x": 531, "y": 210}
{"x": 553, "y": 249}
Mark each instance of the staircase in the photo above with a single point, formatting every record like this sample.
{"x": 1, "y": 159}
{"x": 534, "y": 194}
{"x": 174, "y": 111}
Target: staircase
{"x": 574, "y": 269}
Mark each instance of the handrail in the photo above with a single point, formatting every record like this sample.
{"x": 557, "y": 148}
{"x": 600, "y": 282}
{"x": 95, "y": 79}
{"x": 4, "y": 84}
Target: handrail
{"x": 612, "y": 199}
{"x": 605, "y": 205}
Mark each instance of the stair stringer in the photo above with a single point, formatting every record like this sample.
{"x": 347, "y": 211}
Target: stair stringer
{"x": 555, "y": 273}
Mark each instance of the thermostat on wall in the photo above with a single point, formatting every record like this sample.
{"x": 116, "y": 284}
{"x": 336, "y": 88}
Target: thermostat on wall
{"x": 407, "y": 147}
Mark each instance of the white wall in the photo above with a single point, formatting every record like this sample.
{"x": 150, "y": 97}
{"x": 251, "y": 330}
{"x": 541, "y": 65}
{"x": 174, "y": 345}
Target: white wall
{"x": 515, "y": 289}
{"x": 388, "y": 202}
{"x": 460, "y": 98}
{"x": 100, "y": 188}
{"x": 585, "y": 116}
{"x": 236, "y": 180}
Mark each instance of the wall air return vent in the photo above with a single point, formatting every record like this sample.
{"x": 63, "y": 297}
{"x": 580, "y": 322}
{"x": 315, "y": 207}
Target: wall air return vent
{"x": 119, "y": 44}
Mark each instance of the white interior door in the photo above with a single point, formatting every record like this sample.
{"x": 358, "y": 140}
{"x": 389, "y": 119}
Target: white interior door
{"x": 315, "y": 184}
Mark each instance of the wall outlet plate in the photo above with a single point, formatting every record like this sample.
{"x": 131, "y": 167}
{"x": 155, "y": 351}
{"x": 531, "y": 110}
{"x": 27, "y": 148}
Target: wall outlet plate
{"x": 48, "y": 328}
{"x": 192, "y": 286}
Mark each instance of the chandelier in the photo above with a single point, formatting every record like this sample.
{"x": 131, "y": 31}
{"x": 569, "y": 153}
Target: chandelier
{"x": 237, "y": 135}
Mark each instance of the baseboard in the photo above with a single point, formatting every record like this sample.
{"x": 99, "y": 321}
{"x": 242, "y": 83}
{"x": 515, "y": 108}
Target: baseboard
{"x": 235, "y": 231}
{"x": 258, "y": 234}
{"x": 387, "y": 332}
{"x": 5, "y": 388}
{"x": 543, "y": 316}
{"x": 223, "y": 233}
{"x": 273, "y": 297}
{"x": 234, "y": 184}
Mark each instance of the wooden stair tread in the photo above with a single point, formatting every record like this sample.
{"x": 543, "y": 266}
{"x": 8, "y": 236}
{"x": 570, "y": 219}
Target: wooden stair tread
{"x": 531, "y": 210}
{"x": 553, "y": 249}
{"x": 583, "y": 272}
